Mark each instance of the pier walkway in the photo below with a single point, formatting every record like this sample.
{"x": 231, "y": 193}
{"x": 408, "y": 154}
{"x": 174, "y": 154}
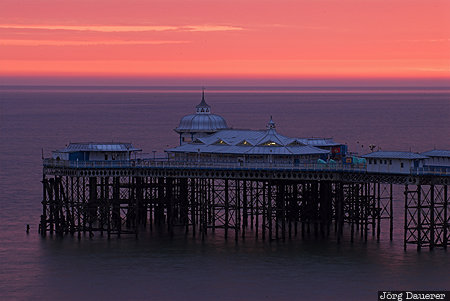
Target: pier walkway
{"x": 301, "y": 167}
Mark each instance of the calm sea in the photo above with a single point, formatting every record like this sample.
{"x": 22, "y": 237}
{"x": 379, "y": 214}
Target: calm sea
{"x": 155, "y": 267}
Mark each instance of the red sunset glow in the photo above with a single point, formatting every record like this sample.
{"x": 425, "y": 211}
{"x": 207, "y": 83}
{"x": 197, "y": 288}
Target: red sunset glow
{"x": 261, "y": 39}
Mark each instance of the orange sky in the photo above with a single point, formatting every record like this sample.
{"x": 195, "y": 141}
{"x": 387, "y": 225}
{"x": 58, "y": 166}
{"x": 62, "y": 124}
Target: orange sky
{"x": 233, "y": 38}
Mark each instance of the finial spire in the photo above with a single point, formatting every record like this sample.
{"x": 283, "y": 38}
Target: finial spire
{"x": 271, "y": 124}
{"x": 203, "y": 107}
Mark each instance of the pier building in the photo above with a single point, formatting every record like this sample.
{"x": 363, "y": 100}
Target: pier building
{"x": 437, "y": 160}
{"x": 244, "y": 182}
{"x": 205, "y": 137}
{"x": 433, "y": 161}
{"x": 200, "y": 124}
{"x": 394, "y": 162}
{"x": 96, "y": 151}
{"x": 248, "y": 146}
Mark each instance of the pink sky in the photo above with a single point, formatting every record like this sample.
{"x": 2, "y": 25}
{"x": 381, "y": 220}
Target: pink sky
{"x": 304, "y": 39}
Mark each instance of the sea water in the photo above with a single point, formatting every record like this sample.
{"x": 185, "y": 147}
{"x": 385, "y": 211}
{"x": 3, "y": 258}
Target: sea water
{"x": 36, "y": 120}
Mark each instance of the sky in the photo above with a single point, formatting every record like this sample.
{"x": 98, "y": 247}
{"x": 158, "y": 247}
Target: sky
{"x": 309, "y": 40}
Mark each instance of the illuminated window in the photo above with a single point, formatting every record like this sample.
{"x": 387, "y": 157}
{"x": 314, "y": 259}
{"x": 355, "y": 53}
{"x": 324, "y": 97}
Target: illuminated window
{"x": 220, "y": 142}
{"x": 270, "y": 143}
{"x": 245, "y": 143}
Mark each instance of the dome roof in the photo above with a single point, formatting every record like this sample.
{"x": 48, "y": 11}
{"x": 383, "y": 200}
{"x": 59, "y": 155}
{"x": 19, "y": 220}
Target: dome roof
{"x": 202, "y": 120}
{"x": 201, "y": 123}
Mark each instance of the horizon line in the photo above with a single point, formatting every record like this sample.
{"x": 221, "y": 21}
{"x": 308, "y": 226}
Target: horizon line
{"x": 221, "y": 81}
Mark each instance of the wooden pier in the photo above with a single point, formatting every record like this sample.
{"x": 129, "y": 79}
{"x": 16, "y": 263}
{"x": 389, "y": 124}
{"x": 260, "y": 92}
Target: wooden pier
{"x": 270, "y": 203}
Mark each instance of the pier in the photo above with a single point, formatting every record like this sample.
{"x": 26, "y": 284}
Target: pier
{"x": 275, "y": 202}
{"x": 245, "y": 182}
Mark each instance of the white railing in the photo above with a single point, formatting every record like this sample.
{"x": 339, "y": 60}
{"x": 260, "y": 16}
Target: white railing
{"x": 164, "y": 163}
{"x": 431, "y": 170}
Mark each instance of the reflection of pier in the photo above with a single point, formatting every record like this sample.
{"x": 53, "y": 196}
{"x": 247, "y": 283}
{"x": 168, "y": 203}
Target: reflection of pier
{"x": 269, "y": 202}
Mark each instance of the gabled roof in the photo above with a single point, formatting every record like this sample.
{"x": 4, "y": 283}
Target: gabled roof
{"x": 221, "y": 142}
{"x": 394, "y": 155}
{"x": 99, "y": 147}
{"x": 256, "y": 137}
{"x": 264, "y": 142}
{"x": 271, "y": 136}
{"x": 245, "y": 143}
{"x": 437, "y": 153}
{"x": 258, "y": 143}
{"x": 234, "y": 137}
{"x": 245, "y": 150}
{"x": 296, "y": 142}
{"x": 197, "y": 141}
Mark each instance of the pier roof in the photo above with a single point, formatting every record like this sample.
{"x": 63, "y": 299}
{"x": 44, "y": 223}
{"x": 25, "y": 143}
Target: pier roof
{"x": 253, "y": 142}
{"x": 202, "y": 120}
{"x": 437, "y": 153}
{"x": 232, "y": 137}
{"x": 248, "y": 150}
{"x": 201, "y": 123}
{"x": 99, "y": 147}
{"x": 259, "y": 137}
{"x": 395, "y": 155}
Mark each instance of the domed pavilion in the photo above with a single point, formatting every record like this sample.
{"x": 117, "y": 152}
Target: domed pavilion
{"x": 200, "y": 124}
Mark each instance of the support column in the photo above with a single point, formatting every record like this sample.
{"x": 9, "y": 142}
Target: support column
{"x": 391, "y": 214}
{"x": 227, "y": 204}
{"x": 432, "y": 219}
{"x": 244, "y": 209}
{"x": 445, "y": 241}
